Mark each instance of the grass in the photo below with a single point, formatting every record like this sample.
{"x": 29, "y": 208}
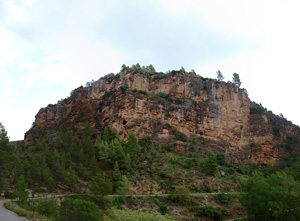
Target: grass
{"x": 15, "y": 207}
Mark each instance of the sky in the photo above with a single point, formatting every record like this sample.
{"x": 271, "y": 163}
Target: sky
{"x": 49, "y": 48}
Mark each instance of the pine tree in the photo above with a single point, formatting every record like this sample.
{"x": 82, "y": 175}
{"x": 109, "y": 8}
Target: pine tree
{"x": 21, "y": 192}
{"x": 101, "y": 185}
{"x": 220, "y": 76}
{"x": 127, "y": 162}
{"x": 123, "y": 185}
{"x": 94, "y": 164}
{"x": 210, "y": 163}
{"x": 236, "y": 79}
{"x": 103, "y": 150}
{"x": 51, "y": 185}
{"x": 132, "y": 145}
{"x": 107, "y": 134}
{"x": 71, "y": 178}
{"x": 117, "y": 173}
{"x": 117, "y": 152}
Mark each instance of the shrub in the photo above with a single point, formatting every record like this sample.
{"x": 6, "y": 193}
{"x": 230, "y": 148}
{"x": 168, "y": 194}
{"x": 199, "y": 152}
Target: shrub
{"x": 181, "y": 195}
{"x": 223, "y": 198}
{"x": 124, "y": 88}
{"x": 210, "y": 163}
{"x": 210, "y": 212}
{"x": 165, "y": 96}
{"x": 142, "y": 92}
{"x": 221, "y": 158}
{"x": 161, "y": 76}
{"x": 205, "y": 188}
{"x": 168, "y": 125}
{"x": 108, "y": 94}
{"x": 276, "y": 131}
{"x": 47, "y": 207}
{"x": 256, "y": 110}
{"x": 163, "y": 209}
{"x": 79, "y": 209}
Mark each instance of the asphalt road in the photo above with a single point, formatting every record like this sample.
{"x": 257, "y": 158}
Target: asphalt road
{"x": 7, "y": 215}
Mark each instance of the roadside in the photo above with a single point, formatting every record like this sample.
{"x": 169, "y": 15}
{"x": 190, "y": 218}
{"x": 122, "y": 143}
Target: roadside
{"x": 7, "y": 215}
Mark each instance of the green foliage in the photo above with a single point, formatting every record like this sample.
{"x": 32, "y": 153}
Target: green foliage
{"x": 236, "y": 79}
{"x": 160, "y": 76}
{"x": 133, "y": 147}
{"x": 143, "y": 70}
{"x": 122, "y": 186}
{"x": 21, "y": 187}
{"x": 257, "y": 110}
{"x": 117, "y": 151}
{"x": 181, "y": 195}
{"x": 117, "y": 173}
{"x": 210, "y": 212}
{"x": 51, "y": 185}
{"x": 108, "y": 94}
{"x": 129, "y": 215}
{"x": 221, "y": 158}
{"x": 47, "y": 207}
{"x": 127, "y": 162}
{"x": 276, "y": 197}
{"x": 108, "y": 135}
{"x": 123, "y": 67}
{"x": 163, "y": 209}
{"x": 223, "y": 198}
{"x": 220, "y": 76}
{"x": 276, "y": 131}
{"x": 124, "y": 88}
{"x": 142, "y": 92}
{"x": 71, "y": 178}
{"x": 80, "y": 117}
{"x": 78, "y": 210}
{"x": 181, "y": 137}
{"x": 101, "y": 184}
{"x": 210, "y": 164}
{"x": 7, "y": 155}
{"x": 165, "y": 96}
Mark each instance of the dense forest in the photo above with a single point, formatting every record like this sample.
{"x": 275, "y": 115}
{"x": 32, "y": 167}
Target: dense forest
{"x": 96, "y": 164}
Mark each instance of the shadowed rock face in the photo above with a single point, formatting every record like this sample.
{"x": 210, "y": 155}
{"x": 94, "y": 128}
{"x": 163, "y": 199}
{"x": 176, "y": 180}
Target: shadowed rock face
{"x": 161, "y": 106}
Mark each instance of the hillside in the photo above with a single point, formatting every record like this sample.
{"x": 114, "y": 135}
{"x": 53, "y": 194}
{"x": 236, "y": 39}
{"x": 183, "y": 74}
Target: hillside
{"x": 171, "y": 109}
{"x": 148, "y": 145}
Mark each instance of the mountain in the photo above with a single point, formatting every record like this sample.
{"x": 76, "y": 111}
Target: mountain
{"x": 171, "y": 109}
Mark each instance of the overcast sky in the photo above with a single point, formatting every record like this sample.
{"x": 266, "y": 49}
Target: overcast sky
{"x": 48, "y": 48}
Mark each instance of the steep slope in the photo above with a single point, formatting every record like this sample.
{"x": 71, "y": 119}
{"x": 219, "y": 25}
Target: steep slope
{"x": 177, "y": 106}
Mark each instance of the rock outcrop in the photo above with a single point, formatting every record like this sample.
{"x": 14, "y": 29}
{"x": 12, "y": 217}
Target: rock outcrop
{"x": 176, "y": 106}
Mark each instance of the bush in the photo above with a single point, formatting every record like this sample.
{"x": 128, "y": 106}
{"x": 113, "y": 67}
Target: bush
{"x": 181, "y": 195}
{"x": 163, "y": 209}
{"x": 257, "y": 110}
{"x": 161, "y": 76}
{"x": 276, "y": 131}
{"x": 142, "y": 92}
{"x": 79, "y": 209}
{"x": 108, "y": 94}
{"x": 223, "y": 198}
{"x": 47, "y": 207}
{"x": 210, "y": 164}
{"x": 210, "y": 212}
{"x": 124, "y": 88}
{"x": 221, "y": 158}
{"x": 165, "y": 96}
{"x": 205, "y": 188}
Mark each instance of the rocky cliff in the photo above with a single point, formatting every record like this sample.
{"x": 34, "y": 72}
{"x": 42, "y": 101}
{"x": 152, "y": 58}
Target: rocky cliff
{"x": 171, "y": 109}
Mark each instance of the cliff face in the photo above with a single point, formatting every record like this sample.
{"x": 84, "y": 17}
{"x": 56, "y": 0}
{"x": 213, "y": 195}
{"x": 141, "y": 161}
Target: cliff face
{"x": 174, "y": 106}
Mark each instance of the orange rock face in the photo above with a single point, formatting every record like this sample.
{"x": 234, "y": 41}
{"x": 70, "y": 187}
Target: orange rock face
{"x": 164, "y": 106}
